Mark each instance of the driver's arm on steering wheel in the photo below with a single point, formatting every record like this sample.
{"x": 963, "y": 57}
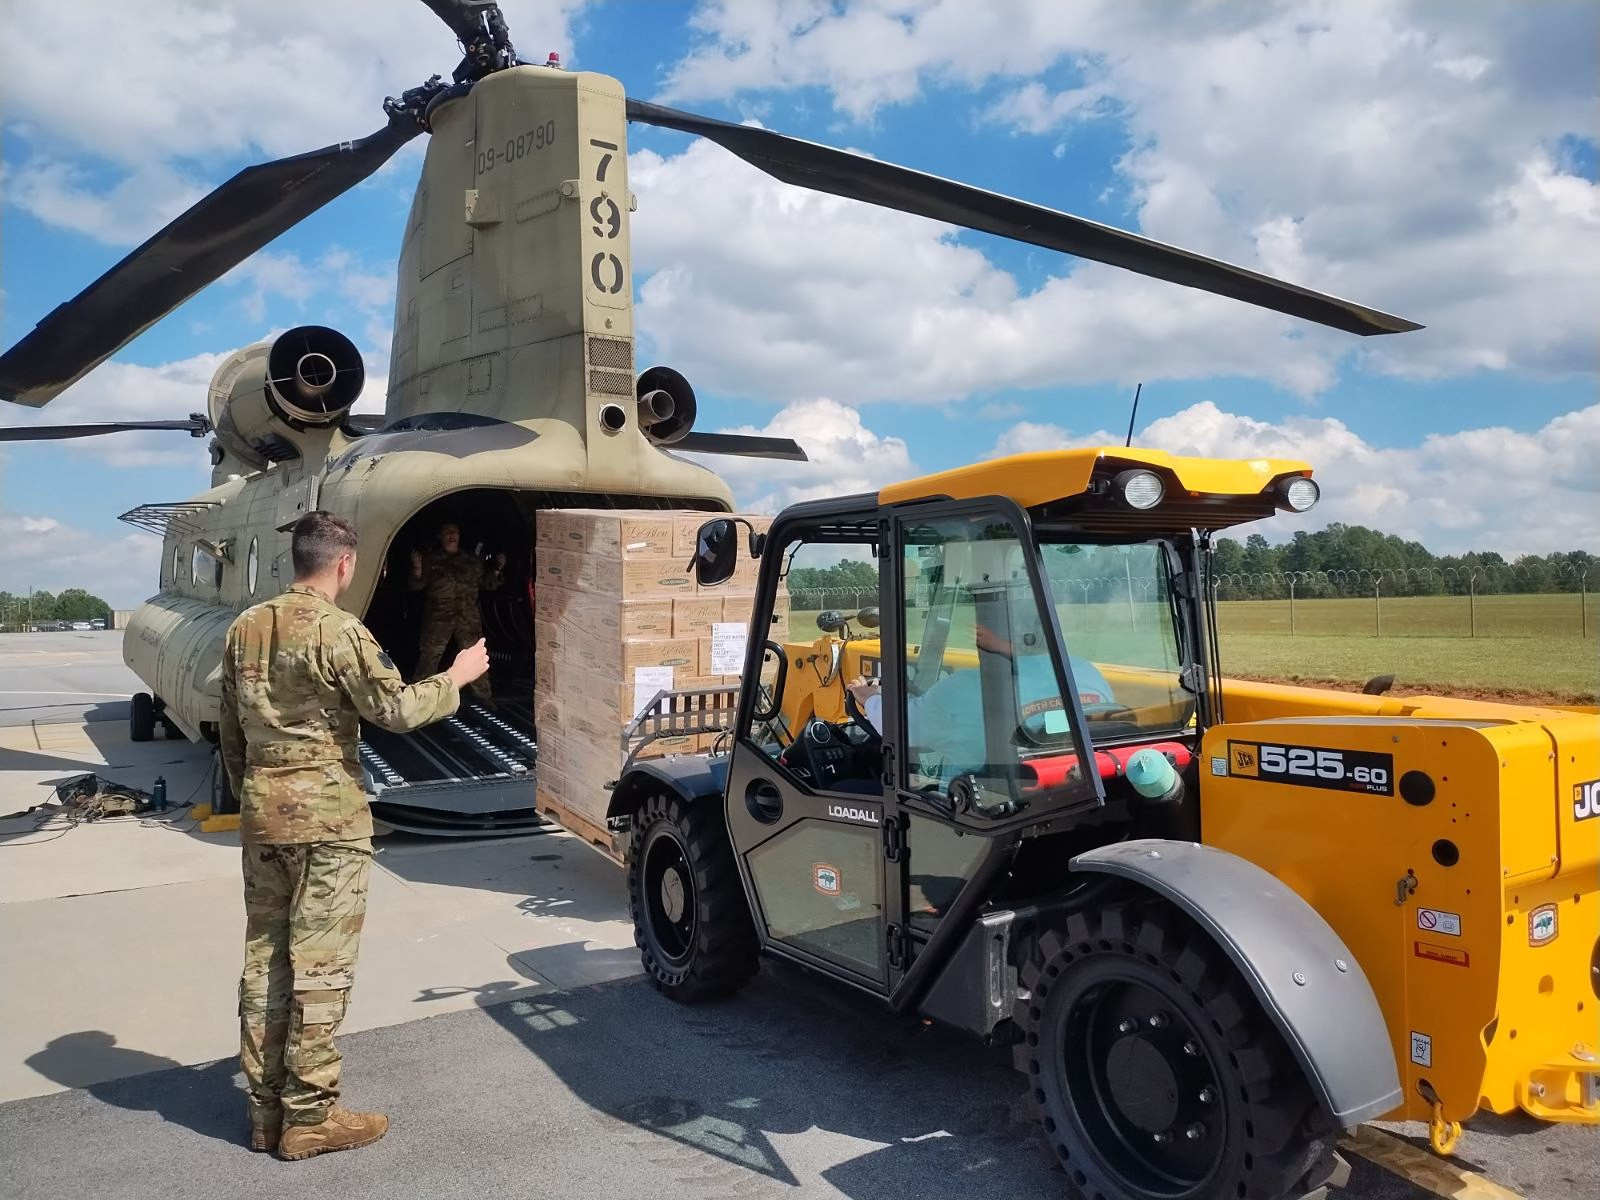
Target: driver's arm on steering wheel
{"x": 869, "y": 699}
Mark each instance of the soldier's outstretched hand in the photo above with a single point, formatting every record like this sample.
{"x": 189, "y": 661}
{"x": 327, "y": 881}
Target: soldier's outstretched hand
{"x": 416, "y": 562}
{"x": 472, "y": 663}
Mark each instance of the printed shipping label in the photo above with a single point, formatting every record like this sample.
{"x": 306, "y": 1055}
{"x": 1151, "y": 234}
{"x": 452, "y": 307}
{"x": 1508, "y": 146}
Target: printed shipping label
{"x": 728, "y": 641}
{"x": 647, "y": 681}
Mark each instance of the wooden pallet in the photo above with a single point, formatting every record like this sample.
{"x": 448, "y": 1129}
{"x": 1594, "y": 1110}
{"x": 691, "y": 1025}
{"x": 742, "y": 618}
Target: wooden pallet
{"x": 596, "y": 835}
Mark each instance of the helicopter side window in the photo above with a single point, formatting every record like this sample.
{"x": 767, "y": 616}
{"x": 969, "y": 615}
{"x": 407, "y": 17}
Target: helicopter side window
{"x": 800, "y": 721}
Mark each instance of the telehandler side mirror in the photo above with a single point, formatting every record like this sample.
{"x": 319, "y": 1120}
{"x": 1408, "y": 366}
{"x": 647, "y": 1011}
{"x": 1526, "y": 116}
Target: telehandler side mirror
{"x": 716, "y": 552}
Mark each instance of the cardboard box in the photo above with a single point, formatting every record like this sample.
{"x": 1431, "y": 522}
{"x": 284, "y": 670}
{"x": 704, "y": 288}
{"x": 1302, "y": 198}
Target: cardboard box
{"x": 553, "y": 567}
{"x": 663, "y": 746}
{"x": 620, "y": 533}
{"x": 547, "y": 529}
{"x": 556, "y": 605}
{"x": 638, "y": 579}
{"x": 693, "y": 616}
{"x": 614, "y": 660}
{"x": 685, "y": 531}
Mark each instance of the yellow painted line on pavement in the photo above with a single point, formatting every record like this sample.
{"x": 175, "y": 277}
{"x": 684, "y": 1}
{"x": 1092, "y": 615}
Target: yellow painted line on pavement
{"x": 1424, "y": 1169}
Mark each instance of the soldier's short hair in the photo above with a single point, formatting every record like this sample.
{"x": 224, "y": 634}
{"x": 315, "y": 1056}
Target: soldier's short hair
{"x": 318, "y": 539}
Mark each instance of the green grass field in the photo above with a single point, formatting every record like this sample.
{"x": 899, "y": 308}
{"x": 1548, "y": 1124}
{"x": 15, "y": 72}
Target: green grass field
{"x": 1527, "y": 647}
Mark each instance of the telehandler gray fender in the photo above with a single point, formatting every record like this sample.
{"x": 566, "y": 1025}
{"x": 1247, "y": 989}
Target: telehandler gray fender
{"x": 1305, "y": 977}
{"x": 690, "y": 776}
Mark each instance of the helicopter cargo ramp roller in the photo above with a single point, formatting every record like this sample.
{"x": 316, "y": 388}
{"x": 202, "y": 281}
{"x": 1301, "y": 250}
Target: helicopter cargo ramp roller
{"x": 467, "y": 776}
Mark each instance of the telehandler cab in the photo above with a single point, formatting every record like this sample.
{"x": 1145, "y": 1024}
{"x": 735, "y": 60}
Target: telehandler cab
{"x": 1220, "y": 921}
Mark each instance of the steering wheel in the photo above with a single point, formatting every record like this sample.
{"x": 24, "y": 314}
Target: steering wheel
{"x": 1110, "y": 711}
{"x": 874, "y": 739}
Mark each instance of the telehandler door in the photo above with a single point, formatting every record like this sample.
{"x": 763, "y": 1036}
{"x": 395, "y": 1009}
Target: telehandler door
{"x": 876, "y": 767}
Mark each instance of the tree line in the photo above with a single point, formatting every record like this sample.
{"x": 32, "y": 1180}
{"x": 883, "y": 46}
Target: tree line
{"x": 1337, "y": 561}
{"x": 74, "y": 604}
{"x": 1344, "y": 559}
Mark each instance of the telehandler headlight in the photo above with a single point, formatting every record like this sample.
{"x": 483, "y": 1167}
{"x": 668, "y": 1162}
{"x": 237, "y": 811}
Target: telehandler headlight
{"x": 1140, "y": 489}
{"x": 1299, "y": 494}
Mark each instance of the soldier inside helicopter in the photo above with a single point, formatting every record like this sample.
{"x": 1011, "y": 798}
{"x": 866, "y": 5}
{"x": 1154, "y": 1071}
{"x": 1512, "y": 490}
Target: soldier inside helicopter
{"x": 462, "y": 568}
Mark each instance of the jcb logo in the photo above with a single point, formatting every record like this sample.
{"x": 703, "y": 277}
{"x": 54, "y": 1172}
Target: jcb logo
{"x": 1586, "y": 800}
{"x": 1246, "y": 760}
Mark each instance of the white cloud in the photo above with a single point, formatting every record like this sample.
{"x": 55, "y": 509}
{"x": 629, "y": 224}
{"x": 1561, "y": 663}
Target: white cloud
{"x": 1394, "y": 151}
{"x": 202, "y": 80}
{"x": 845, "y": 457}
{"x": 46, "y": 555}
{"x": 757, "y": 288}
{"x": 1480, "y": 489}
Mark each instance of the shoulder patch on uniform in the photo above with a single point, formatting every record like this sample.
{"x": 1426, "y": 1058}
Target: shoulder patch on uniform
{"x": 383, "y": 657}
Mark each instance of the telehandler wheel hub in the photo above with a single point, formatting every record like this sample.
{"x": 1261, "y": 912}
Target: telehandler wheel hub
{"x": 672, "y": 894}
{"x": 1144, "y": 1085}
{"x": 669, "y": 897}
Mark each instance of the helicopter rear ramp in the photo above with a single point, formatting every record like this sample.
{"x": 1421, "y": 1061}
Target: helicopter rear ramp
{"x": 468, "y": 776}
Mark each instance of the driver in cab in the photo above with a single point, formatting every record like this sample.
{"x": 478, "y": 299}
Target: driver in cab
{"x": 945, "y": 723}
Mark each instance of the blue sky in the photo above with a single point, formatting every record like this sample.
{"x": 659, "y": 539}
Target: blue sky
{"x": 1436, "y": 163}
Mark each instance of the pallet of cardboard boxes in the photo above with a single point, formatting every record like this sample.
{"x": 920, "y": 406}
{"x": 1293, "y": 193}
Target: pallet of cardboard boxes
{"x": 618, "y": 617}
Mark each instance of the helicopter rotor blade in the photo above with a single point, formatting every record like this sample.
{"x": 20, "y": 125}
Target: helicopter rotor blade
{"x": 195, "y": 426}
{"x": 741, "y": 444}
{"x": 202, "y": 244}
{"x": 856, "y": 177}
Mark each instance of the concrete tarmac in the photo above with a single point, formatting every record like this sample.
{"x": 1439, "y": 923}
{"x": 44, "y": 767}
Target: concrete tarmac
{"x": 499, "y": 1018}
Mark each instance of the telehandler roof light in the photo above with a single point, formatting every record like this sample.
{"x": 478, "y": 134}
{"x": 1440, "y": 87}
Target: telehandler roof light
{"x": 1140, "y": 489}
{"x": 1300, "y": 494}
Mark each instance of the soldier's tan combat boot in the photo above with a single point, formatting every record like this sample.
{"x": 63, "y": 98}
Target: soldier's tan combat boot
{"x": 341, "y": 1130}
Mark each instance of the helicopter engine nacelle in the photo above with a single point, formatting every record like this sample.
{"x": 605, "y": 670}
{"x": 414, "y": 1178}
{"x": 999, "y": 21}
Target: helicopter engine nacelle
{"x": 267, "y": 398}
{"x": 666, "y": 405}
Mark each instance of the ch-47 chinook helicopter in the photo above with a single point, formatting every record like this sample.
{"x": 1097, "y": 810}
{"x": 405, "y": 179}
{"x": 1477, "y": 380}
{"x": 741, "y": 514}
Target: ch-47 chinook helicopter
{"x": 511, "y": 385}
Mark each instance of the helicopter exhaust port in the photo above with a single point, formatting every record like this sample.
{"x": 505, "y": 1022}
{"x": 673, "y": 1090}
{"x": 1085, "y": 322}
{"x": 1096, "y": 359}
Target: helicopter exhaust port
{"x": 315, "y": 374}
{"x": 612, "y": 418}
{"x": 655, "y": 407}
{"x": 666, "y": 405}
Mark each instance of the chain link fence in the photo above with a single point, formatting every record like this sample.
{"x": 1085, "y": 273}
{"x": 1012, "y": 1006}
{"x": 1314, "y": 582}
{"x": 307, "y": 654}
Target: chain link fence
{"x": 1511, "y": 601}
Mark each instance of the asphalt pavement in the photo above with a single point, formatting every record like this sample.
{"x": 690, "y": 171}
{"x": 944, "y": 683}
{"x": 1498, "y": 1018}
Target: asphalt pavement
{"x": 53, "y": 677}
{"x": 559, "y": 1072}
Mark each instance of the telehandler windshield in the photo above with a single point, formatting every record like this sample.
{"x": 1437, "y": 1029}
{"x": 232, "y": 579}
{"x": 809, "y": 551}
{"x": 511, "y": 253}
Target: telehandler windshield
{"x": 1115, "y": 607}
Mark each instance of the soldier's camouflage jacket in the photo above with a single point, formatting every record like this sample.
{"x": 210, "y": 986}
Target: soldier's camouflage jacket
{"x": 298, "y": 676}
{"x": 453, "y": 581}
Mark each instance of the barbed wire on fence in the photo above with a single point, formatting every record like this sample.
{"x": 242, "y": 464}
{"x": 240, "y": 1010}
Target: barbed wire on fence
{"x": 1402, "y": 581}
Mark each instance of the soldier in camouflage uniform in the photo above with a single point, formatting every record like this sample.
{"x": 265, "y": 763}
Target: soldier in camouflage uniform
{"x": 452, "y": 581}
{"x": 299, "y": 674}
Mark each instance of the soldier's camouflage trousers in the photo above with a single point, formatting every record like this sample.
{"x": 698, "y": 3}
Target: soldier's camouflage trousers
{"x": 304, "y": 905}
{"x": 437, "y": 630}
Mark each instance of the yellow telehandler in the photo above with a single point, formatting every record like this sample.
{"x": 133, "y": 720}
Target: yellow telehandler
{"x": 1220, "y": 921}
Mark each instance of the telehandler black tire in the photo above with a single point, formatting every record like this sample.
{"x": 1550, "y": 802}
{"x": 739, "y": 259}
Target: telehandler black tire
{"x": 691, "y": 921}
{"x": 1153, "y": 1069}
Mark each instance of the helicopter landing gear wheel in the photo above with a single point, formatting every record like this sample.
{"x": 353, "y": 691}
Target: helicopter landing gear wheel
{"x": 1154, "y": 1071}
{"x": 691, "y": 921}
{"x": 141, "y": 717}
